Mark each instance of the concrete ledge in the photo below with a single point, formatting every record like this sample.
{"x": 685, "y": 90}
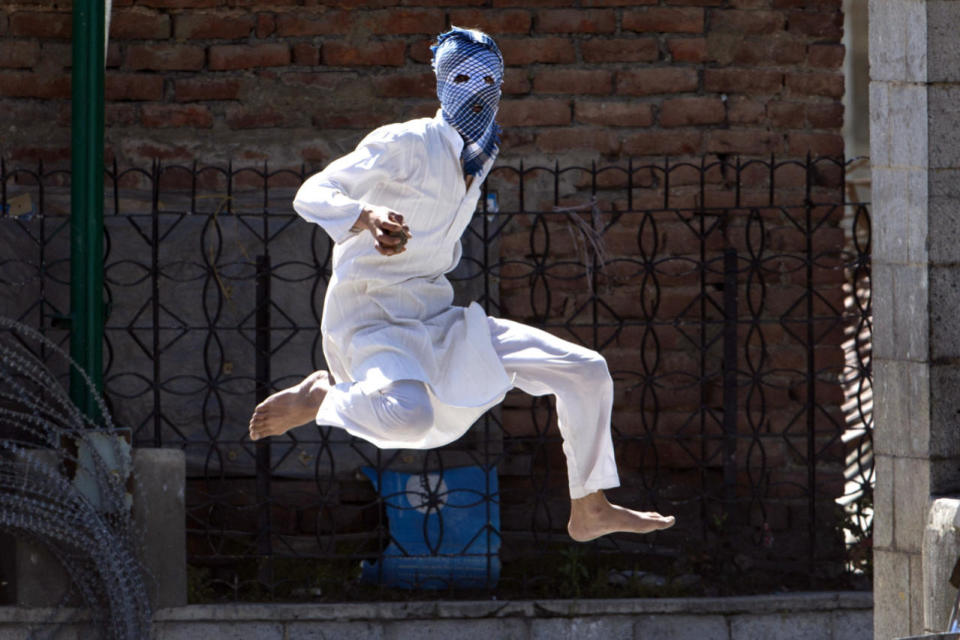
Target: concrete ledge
{"x": 473, "y": 609}
{"x": 812, "y": 616}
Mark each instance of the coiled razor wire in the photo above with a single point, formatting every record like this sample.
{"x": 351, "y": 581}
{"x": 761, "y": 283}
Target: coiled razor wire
{"x": 64, "y": 485}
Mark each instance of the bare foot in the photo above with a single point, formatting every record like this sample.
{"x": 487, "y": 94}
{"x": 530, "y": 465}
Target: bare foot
{"x": 593, "y": 516}
{"x": 290, "y": 407}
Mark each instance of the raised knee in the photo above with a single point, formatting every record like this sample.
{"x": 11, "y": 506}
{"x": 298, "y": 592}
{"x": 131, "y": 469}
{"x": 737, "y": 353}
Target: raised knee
{"x": 409, "y": 415}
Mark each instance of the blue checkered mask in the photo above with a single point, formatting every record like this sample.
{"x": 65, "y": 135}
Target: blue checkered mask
{"x": 469, "y": 71}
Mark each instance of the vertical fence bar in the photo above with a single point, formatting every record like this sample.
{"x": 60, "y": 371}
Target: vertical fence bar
{"x": 155, "y": 303}
{"x": 262, "y": 365}
{"x": 86, "y": 205}
{"x": 811, "y": 399}
{"x": 730, "y": 416}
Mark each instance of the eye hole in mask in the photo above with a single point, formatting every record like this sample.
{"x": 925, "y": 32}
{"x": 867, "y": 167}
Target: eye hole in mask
{"x": 461, "y": 78}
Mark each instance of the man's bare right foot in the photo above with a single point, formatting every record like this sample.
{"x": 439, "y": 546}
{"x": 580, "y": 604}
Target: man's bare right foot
{"x": 593, "y": 516}
{"x": 290, "y": 407}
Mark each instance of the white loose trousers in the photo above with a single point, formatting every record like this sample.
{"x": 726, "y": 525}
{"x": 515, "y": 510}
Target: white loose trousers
{"x": 539, "y": 363}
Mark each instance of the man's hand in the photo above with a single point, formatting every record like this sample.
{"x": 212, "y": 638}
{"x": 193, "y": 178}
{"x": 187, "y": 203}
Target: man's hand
{"x": 387, "y": 228}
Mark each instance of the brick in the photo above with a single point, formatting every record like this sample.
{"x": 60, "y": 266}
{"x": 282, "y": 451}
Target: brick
{"x": 787, "y": 51}
{"x": 599, "y": 50}
{"x": 524, "y": 51}
{"x": 516, "y": 82}
{"x": 134, "y": 24}
{"x": 322, "y": 79}
{"x": 578, "y": 81}
{"x": 364, "y": 117}
{"x": 441, "y": 3}
{"x": 408, "y": 21}
{"x": 165, "y": 57}
{"x": 749, "y": 4}
{"x": 26, "y": 84}
{"x": 680, "y": 112}
{"x": 579, "y": 139}
{"x": 175, "y": 116}
{"x": 825, "y": 116}
{"x": 828, "y": 56}
{"x": 243, "y": 117}
{"x": 746, "y": 22}
{"x": 238, "y": 56}
{"x": 698, "y": 3}
{"x": 527, "y": 4}
{"x": 660, "y": 143}
{"x": 133, "y": 86}
{"x": 746, "y": 141}
{"x": 206, "y": 88}
{"x": 659, "y": 80}
{"x": 212, "y": 26}
{"x": 114, "y": 55}
{"x": 742, "y": 81}
{"x": 47, "y": 155}
{"x": 266, "y": 25}
{"x": 365, "y": 4}
{"x": 617, "y": 3}
{"x": 576, "y": 21}
{"x": 741, "y": 110}
{"x": 327, "y": 23}
{"x": 810, "y": 5}
{"x": 664, "y": 20}
{"x": 815, "y": 84}
{"x": 421, "y": 85}
{"x": 687, "y": 49}
{"x": 180, "y": 4}
{"x": 817, "y": 144}
{"x": 617, "y": 114}
{"x": 305, "y": 54}
{"x": 115, "y": 115}
{"x": 817, "y": 25}
{"x": 343, "y": 54}
{"x": 19, "y": 54}
{"x": 787, "y": 115}
{"x": 419, "y": 51}
{"x": 40, "y": 24}
{"x": 55, "y": 55}
{"x": 515, "y": 21}
{"x": 534, "y": 113}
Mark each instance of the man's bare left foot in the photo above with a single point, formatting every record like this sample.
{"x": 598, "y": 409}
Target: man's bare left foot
{"x": 290, "y": 407}
{"x": 593, "y": 516}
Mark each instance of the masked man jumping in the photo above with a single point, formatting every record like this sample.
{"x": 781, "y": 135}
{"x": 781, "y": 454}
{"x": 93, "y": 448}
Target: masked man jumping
{"x": 407, "y": 368}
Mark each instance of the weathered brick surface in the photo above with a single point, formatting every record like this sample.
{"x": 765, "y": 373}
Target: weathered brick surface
{"x": 229, "y": 57}
{"x": 619, "y": 50}
{"x": 19, "y": 54}
{"x": 165, "y": 57}
{"x": 137, "y": 24}
{"x": 609, "y": 77}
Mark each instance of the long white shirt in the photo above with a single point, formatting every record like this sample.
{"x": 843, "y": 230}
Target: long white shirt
{"x": 389, "y": 318}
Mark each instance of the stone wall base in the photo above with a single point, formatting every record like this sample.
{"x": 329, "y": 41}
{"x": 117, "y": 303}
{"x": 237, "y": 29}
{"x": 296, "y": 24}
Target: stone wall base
{"x": 811, "y": 616}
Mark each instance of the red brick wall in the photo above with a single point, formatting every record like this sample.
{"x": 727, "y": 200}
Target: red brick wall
{"x": 294, "y": 81}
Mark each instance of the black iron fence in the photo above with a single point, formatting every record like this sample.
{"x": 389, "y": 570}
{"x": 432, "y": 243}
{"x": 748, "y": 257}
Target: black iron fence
{"x": 730, "y": 297}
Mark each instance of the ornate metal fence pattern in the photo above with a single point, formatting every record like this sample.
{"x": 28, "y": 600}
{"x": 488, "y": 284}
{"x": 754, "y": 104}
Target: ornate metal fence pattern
{"x": 730, "y": 298}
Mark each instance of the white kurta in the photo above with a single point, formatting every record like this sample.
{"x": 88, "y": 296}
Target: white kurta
{"x": 389, "y": 318}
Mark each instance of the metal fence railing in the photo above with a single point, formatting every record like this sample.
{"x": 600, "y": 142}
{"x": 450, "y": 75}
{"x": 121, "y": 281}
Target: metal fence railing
{"x": 731, "y": 299}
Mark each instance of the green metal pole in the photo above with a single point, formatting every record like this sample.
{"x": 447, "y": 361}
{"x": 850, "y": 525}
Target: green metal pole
{"x": 86, "y": 203}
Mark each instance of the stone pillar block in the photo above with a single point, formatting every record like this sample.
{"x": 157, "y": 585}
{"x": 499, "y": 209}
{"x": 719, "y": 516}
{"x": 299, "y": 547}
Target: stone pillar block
{"x": 159, "y": 512}
{"x": 941, "y": 549}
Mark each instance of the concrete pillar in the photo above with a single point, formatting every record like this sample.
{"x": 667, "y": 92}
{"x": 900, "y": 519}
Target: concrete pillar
{"x": 915, "y": 157}
{"x": 159, "y": 514}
